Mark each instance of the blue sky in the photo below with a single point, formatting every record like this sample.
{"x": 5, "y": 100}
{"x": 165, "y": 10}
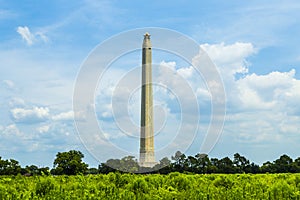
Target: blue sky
{"x": 254, "y": 45}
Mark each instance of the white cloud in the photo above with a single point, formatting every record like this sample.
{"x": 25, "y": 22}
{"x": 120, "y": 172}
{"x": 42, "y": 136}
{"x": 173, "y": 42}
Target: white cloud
{"x": 251, "y": 91}
{"x": 37, "y": 114}
{"x": 16, "y": 102}
{"x": 43, "y": 37}
{"x": 26, "y": 34}
{"x": 178, "y": 85}
{"x": 64, "y": 116}
{"x": 170, "y": 65}
{"x": 263, "y": 126}
{"x": 290, "y": 125}
{"x": 273, "y": 90}
{"x": 9, "y": 84}
{"x": 22, "y": 138}
{"x": 266, "y": 104}
{"x": 43, "y": 129}
{"x": 203, "y": 94}
{"x": 231, "y": 57}
{"x": 186, "y": 72}
{"x": 69, "y": 116}
{"x": 11, "y": 131}
{"x": 107, "y": 113}
{"x": 30, "y": 37}
{"x": 273, "y": 80}
{"x": 251, "y": 99}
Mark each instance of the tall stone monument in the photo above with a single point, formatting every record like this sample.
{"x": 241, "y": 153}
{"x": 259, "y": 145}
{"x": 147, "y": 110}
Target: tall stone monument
{"x": 147, "y": 158}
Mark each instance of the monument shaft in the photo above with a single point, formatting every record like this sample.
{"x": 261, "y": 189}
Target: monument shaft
{"x": 147, "y": 158}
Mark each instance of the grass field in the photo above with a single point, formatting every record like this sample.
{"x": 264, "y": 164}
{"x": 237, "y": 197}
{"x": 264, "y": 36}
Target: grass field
{"x": 171, "y": 186}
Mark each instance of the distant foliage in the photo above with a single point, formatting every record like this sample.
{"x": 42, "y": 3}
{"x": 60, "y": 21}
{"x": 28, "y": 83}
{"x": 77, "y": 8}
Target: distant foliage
{"x": 136, "y": 186}
{"x": 202, "y": 164}
{"x": 69, "y": 163}
{"x": 9, "y": 167}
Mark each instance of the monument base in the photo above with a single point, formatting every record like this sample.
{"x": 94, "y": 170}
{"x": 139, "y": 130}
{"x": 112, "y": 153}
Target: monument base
{"x": 147, "y": 164}
{"x": 147, "y": 159}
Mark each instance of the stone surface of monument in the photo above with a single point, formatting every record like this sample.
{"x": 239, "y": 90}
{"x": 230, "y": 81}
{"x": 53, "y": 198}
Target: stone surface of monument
{"x": 147, "y": 158}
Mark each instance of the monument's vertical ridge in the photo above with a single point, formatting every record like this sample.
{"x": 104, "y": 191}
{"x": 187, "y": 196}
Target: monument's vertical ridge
{"x": 147, "y": 158}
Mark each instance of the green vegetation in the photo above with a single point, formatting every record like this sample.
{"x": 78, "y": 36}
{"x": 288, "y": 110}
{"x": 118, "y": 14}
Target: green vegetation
{"x": 154, "y": 186}
{"x": 202, "y": 164}
{"x": 182, "y": 177}
{"x": 71, "y": 163}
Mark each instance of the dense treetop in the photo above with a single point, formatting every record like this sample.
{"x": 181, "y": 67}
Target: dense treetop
{"x": 71, "y": 163}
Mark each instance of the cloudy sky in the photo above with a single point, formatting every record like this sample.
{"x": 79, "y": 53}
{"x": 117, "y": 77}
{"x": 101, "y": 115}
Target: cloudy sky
{"x": 254, "y": 46}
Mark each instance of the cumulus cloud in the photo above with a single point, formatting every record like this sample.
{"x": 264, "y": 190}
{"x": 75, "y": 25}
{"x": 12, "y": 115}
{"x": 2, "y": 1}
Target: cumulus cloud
{"x": 107, "y": 113}
{"x": 37, "y": 138}
{"x": 9, "y": 84}
{"x": 29, "y": 37}
{"x": 203, "y": 94}
{"x": 290, "y": 125}
{"x": 34, "y": 115}
{"x": 16, "y": 102}
{"x": 43, "y": 129}
{"x": 178, "y": 85}
{"x": 267, "y": 91}
{"x": 231, "y": 58}
{"x": 262, "y": 126}
{"x": 169, "y": 65}
{"x": 11, "y": 131}
{"x": 260, "y": 108}
{"x": 64, "y": 116}
{"x": 186, "y": 72}
{"x": 229, "y": 54}
{"x": 69, "y": 116}
{"x": 273, "y": 80}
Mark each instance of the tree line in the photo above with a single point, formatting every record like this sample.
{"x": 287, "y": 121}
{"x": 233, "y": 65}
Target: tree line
{"x": 71, "y": 163}
{"x": 202, "y": 164}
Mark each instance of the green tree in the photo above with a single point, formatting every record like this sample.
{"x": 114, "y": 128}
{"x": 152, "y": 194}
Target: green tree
{"x": 180, "y": 163}
{"x": 214, "y": 163}
{"x": 9, "y": 167}
{"x": 295, "y": 166}
{"x": 165, "y": 162}
{"x": 241, "y": 163}
{"x": 108, "y": 166}
{"x": 44, "y": 171}
{"x": 32, "y": 170}
{"x": 35, "y": 171}
{"x": 164, "y": 166}
{"x": 225, "y": 165}
{"x": 254, "y": 168}
{"x": 267, "y": 167}
{"x": 283, "y": 164}
{"x": 191, "y": 163}
{"x": 203, "y": 163}
{"x": 128, "y": 164}
{"x": 69, "y": 163}
{"x": 92, "y": 171}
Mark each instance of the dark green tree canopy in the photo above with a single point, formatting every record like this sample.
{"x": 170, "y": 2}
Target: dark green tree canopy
{"x": 9, "y": 167}
{"x": 69, "y": 163}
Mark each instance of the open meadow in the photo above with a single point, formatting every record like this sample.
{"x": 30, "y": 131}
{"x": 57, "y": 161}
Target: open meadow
{"x": 153, "y": 186}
